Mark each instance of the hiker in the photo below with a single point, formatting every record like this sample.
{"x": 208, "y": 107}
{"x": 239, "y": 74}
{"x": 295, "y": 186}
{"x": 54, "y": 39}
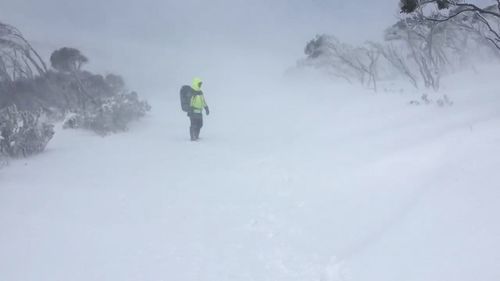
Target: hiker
{"x": 193, "y": 102}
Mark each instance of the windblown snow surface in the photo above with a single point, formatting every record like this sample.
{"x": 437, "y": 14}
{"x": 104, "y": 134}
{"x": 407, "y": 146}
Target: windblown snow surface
{"x": 294, "y": 179}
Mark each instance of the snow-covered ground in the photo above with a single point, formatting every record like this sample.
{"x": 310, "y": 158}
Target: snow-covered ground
{"x": 293, "y": 180}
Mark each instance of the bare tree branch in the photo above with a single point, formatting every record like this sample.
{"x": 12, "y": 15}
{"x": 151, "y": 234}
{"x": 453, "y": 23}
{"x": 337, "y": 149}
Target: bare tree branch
{"x": 477, "y": 9}
{"x": 447, "y": 18}
{"x": 458, "y": 9}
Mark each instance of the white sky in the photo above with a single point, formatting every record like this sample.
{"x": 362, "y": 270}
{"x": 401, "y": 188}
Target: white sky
{"x": 172, "y": 37}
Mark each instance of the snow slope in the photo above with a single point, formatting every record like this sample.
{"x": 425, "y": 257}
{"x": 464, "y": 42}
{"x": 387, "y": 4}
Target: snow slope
{"x": 298, "y": 179}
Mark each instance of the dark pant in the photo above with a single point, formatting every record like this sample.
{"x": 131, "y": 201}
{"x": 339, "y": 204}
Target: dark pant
{"x": 196, "y": 124}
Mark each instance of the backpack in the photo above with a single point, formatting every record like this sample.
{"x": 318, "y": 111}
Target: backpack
{"x": 186, "y": 94}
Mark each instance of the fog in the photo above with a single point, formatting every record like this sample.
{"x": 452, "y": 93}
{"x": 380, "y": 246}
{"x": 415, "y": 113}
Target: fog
{"x": 295, "y": 177}
{"x": 156, "y": 44}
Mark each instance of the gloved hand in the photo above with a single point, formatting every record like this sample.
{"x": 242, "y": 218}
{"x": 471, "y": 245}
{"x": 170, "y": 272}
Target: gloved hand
{"x": 207, "y": 110}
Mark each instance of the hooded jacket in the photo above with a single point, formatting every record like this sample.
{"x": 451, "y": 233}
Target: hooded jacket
{"x": 197, "y": 100}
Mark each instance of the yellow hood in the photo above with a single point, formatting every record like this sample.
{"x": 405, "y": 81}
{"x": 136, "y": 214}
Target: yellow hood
{"x": 196, "y": 84}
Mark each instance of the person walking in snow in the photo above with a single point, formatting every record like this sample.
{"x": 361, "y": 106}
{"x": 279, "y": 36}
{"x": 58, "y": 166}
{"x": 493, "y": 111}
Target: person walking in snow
{"x": 197, "y": 105}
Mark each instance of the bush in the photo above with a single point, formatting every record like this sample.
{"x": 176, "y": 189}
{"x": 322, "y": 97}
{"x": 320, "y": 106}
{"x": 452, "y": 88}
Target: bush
{"x": 28, "y": 89}
{"x": 443, "y": 101}
{"x": 22, "y": 133}
{"x": 110, "y": 115}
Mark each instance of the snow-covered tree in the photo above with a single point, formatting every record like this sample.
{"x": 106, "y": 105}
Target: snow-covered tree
{"x": 484, "y": 20}
{"x": 424, "y": 44}
{"x": 68, "y": 60}
{"x": 344, "y": 60}
{"x": 67, "y": 89}
{"x": 18, "y": 59}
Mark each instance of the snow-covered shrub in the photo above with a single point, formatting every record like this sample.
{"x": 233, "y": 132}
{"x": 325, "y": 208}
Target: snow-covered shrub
{"x": 425, "y": 100}
{"x": 23, "y": 133}
{"x": 110, "y": 115}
